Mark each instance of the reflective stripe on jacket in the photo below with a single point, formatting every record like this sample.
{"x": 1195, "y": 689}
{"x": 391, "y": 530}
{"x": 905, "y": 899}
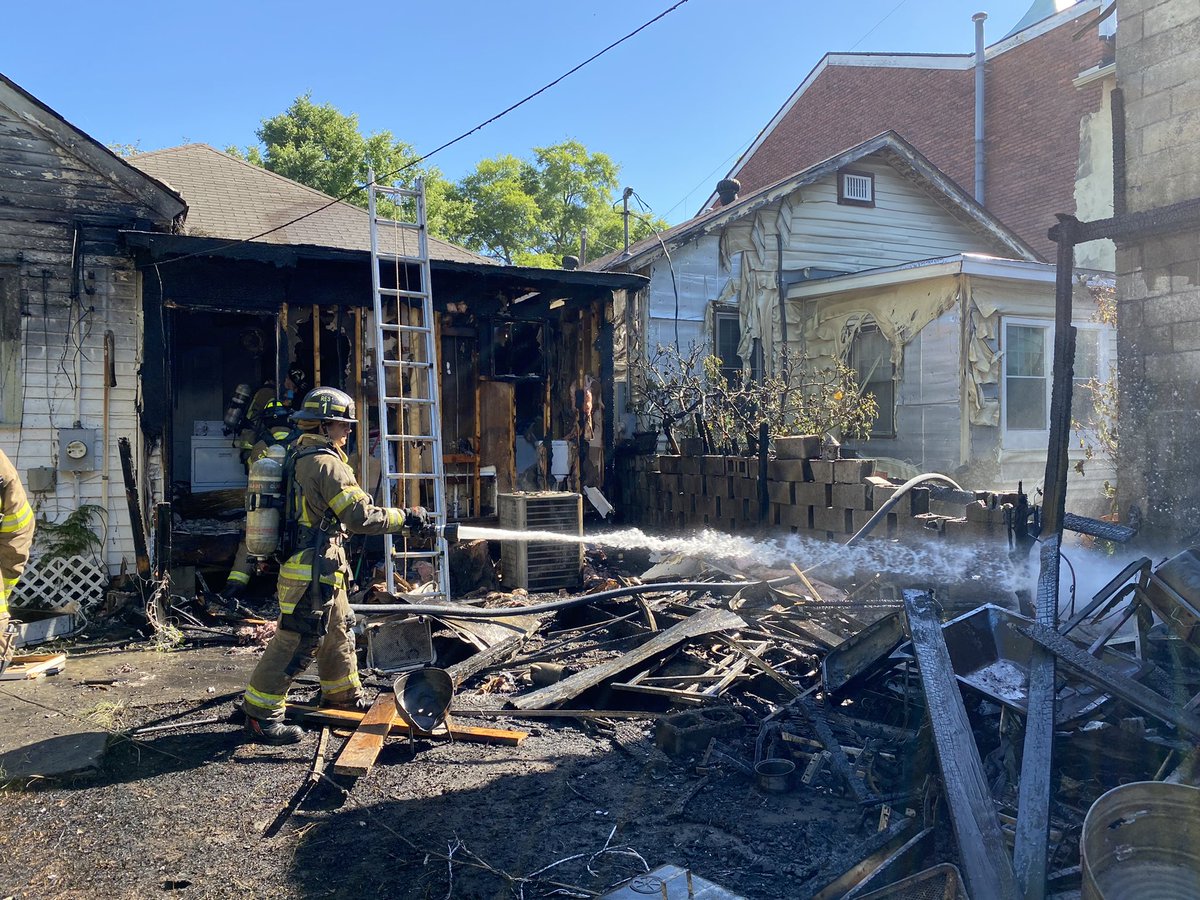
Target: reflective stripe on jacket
{"x": 16, "y": 529}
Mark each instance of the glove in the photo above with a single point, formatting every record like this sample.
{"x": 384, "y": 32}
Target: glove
{"x": 232, "y": 590}
{"x": 417, "y": 518}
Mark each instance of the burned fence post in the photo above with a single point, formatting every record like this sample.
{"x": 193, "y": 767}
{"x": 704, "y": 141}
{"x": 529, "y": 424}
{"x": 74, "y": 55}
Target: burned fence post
{"x": 764, "y": 499}
{"x": 136, "y": 524}
{"x": 985, "y": 862}
{"x": 1033, "y": 810}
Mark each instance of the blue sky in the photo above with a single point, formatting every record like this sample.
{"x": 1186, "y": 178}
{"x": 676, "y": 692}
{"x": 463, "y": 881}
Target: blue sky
{"x": 674, "y": 106}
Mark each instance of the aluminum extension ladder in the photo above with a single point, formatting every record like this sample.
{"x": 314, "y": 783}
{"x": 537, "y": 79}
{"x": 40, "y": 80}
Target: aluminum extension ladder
{"x": 410, "y": 417}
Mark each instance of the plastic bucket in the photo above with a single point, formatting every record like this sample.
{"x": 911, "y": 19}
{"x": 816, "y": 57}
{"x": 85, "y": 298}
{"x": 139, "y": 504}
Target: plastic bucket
{"x": 1142, "y": 840}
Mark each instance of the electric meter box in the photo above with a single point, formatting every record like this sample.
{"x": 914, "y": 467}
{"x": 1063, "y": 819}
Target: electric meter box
{"x": 77, "y": 449}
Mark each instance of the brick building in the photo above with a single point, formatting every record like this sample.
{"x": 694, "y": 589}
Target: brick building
{"x": 1046, "y": 125}
{"x": 1158, "y": 277}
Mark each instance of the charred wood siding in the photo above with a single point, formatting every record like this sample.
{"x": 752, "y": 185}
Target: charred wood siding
{"x": 73, "y": 284}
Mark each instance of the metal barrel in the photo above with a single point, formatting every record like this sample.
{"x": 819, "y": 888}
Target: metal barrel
{"x": 1142, "y": 840}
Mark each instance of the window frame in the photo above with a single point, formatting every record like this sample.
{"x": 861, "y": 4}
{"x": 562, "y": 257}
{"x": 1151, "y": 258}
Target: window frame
{"x": 1037, "y": 439}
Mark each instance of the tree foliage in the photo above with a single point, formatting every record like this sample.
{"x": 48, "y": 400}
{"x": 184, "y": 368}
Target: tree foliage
{"x": 324, "y": 148}
{"x": 523, "y": 211}
{"x": 533, "y": 212}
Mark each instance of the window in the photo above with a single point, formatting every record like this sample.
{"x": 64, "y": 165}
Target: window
{"x": 11, "y": 393}
{"x": 1028, "y": 378}
{"x": 728, "y": 328}
{"x": 856, "y": 188}
{"x": 871, "y": 359}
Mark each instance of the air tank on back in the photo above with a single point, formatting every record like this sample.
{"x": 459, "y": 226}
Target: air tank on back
{"x": 265, "y": 502}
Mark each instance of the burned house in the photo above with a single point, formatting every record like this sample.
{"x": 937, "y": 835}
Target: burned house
{"x": 138, "y": 297}
{"x": 876, "y": 258}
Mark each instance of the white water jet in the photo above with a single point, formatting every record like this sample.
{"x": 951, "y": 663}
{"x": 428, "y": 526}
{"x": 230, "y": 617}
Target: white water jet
{"x": 929, "y": 562}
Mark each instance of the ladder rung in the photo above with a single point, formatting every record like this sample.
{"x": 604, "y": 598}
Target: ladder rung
{"x": 405, "y": 329}
{"x": 406, "y": 364}
{"x": 412, "y": 476}
{"x": 397, "y": 223}
{"x": 415, "y": 554}
{"x": 401, "y": 292}
{"x": 396, "y": 190}
{"x": 409, "y": 401}
{"x": 402, "y": 258}
{"x": 401, "y": 438}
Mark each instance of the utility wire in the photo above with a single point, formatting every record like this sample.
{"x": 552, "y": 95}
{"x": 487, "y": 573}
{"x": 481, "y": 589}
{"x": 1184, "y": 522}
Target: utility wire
{"x": 420, "y": 159}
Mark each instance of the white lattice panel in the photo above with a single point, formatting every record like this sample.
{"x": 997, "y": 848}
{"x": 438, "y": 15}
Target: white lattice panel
{"x": 75, "y": 582}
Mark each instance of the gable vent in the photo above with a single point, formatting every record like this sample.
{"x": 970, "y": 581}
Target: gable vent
{"x": 856, "y": 188}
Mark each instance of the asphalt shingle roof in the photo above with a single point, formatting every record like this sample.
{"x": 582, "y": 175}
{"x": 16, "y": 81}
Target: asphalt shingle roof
{"x": 235, "y": 200}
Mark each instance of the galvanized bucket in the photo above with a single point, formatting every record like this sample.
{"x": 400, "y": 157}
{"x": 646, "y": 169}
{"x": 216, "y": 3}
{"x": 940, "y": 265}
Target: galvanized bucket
{"x": 1142, "y": 840}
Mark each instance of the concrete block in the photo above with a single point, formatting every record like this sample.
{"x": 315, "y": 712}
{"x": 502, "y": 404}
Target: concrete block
{"x": 799, "y": 517}
{"x": 689, "y": 465}
{"x": 822, "y": 470}
{"x": 690, "y": 731}
{"x": 833, "y": 518}
{"x": 712, "y": 465}
{"x": 794, "y": 469}
{"x": 860, "y": 517}
{"x": 805, "y": 446}
{"x": 668, "y": 463}
{"x": 780, "y": 492}
{"x": 814, "y": 494}
{"x": 852, "y": 496}
{"x": 852, "y": 471}
{"x": 958, "y": 531}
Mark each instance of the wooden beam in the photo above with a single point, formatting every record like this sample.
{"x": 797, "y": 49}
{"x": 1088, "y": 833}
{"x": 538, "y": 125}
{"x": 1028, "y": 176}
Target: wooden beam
{"x": 361, "y": 751}
{"x": 556, "y": 713}
{"x": 985, "y": 863}
{"x": 1109, "y": 679}
{"x": 342, "y": 718}
{"x": 316, "y": 344}
{"x": 704, "y": 622}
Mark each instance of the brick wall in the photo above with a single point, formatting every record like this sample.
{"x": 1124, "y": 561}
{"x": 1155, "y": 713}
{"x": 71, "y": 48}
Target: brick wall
{"x": 1032, "y": 110}
{"x": 1158, "y": 279}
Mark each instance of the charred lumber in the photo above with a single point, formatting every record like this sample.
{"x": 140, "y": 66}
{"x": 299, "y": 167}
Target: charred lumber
{"x": 704, "y": 622}
{"x": 837, "y": 756}
{"x": 1105, "y": 677}
{"x": 314, "y": 775}
{"x": 494, "y": 655}
{"x": 986, "y": 866}
{"x": 833, "y": 882}
{"x": 341, "y": 718}
{"x": 137, "y": 524}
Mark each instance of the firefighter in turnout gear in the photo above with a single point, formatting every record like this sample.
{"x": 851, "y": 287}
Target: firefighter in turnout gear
{"x": 273, "y": 428}
{"x": 315, "y": 620}
{"x": 16, "y": 538}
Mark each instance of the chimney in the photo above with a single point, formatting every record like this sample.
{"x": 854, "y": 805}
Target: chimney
{"x": 727, "y": 190}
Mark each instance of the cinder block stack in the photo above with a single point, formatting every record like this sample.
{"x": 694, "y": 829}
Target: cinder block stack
{"x": 830, "y": 499}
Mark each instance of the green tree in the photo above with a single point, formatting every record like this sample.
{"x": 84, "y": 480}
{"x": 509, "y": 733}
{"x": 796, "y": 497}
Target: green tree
{"x": 324, "y": 148}
{"x": 533, "y": 212}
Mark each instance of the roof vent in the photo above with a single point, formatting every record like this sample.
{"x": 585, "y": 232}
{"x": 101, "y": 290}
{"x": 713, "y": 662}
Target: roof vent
{"x": 570, "y": 262}
{"x": 727, "y": 190}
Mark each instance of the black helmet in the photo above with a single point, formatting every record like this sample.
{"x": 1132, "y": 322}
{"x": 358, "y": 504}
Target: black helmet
{"x": 326, "y": 404}
{"x": 274, "y": 412}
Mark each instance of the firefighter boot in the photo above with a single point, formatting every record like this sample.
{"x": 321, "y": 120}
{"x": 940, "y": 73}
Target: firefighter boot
{"x": 275, "y": 733}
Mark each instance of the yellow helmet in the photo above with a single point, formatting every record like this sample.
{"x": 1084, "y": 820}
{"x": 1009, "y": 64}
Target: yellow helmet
{"x": 326, "y": 404}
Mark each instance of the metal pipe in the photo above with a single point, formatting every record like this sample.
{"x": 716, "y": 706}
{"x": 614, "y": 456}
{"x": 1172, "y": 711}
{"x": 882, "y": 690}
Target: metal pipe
{"x": 470, "y": 612}
{"x": 979, "y": 18}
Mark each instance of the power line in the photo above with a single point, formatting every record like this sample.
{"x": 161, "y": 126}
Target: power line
{"x": 877, "y": 24}
{"x": 420, "y": 159}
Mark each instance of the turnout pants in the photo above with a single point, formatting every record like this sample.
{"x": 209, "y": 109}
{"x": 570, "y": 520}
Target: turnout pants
{"x": 310, "y": 628}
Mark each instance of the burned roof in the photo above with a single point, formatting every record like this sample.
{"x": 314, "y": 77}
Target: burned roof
{"x": 231, "y": 199}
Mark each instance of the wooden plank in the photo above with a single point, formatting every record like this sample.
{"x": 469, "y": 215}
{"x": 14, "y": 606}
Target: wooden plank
{"x": 556, "y": 713}
{"x": 985, "y": 863}
{"x": 690, "y": 698}
{"x": 453, "y": 731}
{"x": 704, "y": 622}
{"x": 1109, "y": 679}
{"x": 361, "y": 751}
{"x": 27, "y": 668}
{"x": 837, "y": 756}
{"x": 485, "y": 659}
{"x": 764, "y": 666}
